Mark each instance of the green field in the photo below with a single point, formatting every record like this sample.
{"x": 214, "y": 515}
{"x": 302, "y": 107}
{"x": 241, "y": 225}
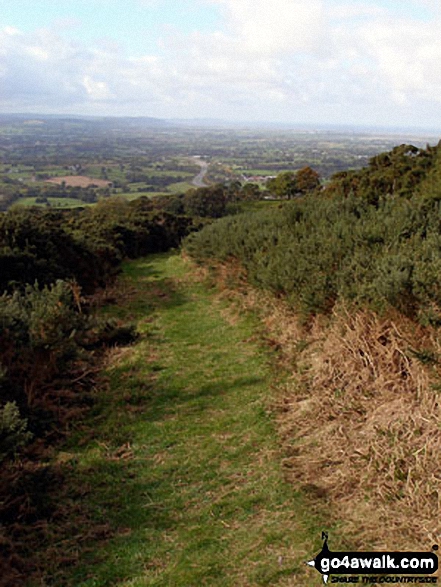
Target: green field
{"x": 54, "y": 202}
{"x": 180, "y": 188}
{"x": 260, "y": 171}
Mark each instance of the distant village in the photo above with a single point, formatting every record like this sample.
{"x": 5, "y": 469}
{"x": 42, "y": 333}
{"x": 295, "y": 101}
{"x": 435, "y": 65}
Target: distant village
{"x": 257, "y": 178}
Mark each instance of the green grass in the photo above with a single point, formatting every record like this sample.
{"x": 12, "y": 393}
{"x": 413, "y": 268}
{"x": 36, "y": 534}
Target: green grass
{"x": 152, "y": 172}
{"x": 180, "y": 459}
{"x": 180, "y": 187}
{"x": 54, "y": 202}
{"x": 258, "y": 172}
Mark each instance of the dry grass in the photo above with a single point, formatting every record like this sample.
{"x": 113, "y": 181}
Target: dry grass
{"x": 359, "y": 417}
{"x": 368, "y": 433}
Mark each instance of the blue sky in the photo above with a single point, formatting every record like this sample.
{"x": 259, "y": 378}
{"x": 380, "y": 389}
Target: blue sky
{"x": 306, "y": 61}
{"x": 134, "y": 24}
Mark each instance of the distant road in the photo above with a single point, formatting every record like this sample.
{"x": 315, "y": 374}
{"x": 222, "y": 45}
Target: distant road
{"x": 198, "y": 181}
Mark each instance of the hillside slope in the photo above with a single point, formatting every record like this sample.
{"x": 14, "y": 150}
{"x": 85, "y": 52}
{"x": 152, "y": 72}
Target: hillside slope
{"x": 353, "y": 273}
{"x": 179, "y": 465}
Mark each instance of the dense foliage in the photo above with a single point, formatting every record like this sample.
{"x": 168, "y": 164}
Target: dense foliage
{"x": 48, "y": 261}
{"x": 290, "y": 184}
{"x": 86, "y": 245}
{"x": 372, "y": 237}
{"x": 396, "y": 173}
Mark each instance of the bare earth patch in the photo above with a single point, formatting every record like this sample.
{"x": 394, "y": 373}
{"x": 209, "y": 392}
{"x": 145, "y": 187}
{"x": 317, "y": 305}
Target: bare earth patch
{"x": 81, "y": 181}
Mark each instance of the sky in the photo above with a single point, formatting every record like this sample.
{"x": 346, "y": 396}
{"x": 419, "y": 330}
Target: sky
{"x": 356, "y": 62}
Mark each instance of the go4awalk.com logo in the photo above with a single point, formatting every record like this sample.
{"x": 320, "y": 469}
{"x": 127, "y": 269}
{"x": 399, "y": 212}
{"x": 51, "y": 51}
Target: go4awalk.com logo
{"x": 376, "y": 567}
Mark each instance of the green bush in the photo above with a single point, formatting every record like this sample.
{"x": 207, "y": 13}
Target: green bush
{"x": 39, "y": 334}
{"x": 13, "y": 430}
{"x": 47, "y": 258}
{"x": 366, "y": 244}
{"x": 86, "y": 245}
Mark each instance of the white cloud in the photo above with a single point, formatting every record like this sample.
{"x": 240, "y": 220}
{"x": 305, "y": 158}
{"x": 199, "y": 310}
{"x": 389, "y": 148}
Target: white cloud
{"x": 38, "y": 53}
{"x": 272, "y": 27}
{"x": 11, "y": 31}
{"x": 349, "y": 11}
{"x": 96, "y": 90}
{"x": 40, "y": 69}
{"x": 407, "y": 57}
{"x": 281, "y": 60}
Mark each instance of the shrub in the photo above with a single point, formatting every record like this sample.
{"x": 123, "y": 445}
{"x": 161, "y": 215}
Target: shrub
{"x": 39, "y": 331}
{"x": 13, "y": 430}
{"x": 372, "y": 248}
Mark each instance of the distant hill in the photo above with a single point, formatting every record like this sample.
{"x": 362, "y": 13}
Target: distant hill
{"x": 103, "y": 122}
{"x": 212, "y": 123}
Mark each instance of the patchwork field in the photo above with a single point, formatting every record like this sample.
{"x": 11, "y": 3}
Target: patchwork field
{"x": 81, "y": 181}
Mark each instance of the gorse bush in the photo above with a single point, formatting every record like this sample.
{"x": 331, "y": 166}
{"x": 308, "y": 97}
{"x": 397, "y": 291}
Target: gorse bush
{"x": 399, "y": 172}
{"x": 383, "y": 251}
{"x": 46, "y": 342}
{"x": 48, "y": 260}
{"x": 86, "y": 245}
{"x": 40, "y": 334}
{"x": 13, "y": 430}
{"x": 37, "y": 245}
{"x": 132, "y": 229}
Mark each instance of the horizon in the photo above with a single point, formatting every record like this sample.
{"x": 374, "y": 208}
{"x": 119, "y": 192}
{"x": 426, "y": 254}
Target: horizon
{"x": 290, "y": 62}
{"x": 262, "y": 125}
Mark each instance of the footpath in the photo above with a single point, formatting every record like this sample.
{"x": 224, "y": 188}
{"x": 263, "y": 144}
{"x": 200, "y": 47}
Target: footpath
{"x": 183, "y": 466}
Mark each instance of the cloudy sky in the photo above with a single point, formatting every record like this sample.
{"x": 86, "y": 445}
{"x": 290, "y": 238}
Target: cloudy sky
{"x": 299, "y": 61}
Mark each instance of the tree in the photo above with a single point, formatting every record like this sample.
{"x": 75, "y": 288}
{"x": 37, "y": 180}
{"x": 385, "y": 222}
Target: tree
{"x": 307, "y": 180}
{"x": 233, "y": 190}
{"x": 284, "y": 185}
{"x": 289, "y": 184}
{"x": 206, "y": 202}
{"x": 251, "y": 191}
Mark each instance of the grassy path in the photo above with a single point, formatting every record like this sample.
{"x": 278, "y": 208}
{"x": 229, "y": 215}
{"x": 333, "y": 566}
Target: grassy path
{"x": 182, "y": 463}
